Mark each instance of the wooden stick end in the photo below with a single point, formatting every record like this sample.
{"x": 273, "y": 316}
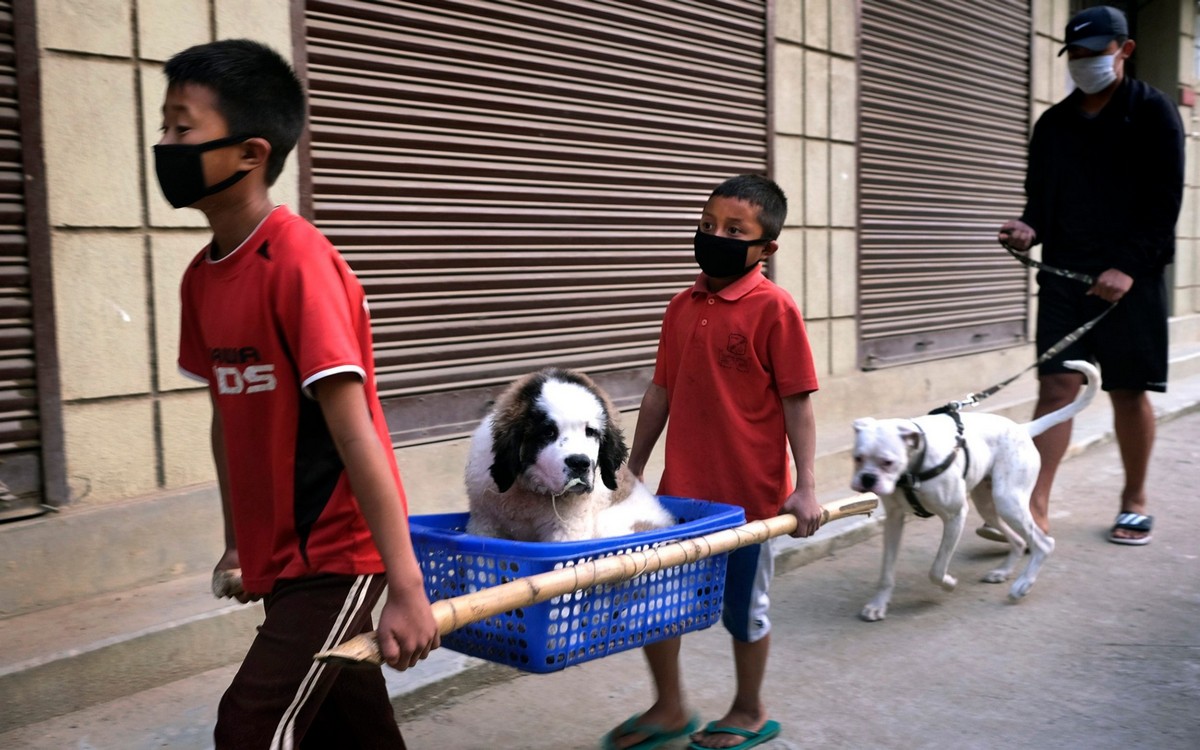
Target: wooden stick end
{"x": 360, "y": 651}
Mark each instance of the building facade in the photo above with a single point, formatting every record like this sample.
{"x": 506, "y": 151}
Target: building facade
{"x": 516, "y": 184}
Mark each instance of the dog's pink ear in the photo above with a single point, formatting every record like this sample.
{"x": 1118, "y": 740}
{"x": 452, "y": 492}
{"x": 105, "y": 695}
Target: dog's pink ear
{"x": 911, "y": 437}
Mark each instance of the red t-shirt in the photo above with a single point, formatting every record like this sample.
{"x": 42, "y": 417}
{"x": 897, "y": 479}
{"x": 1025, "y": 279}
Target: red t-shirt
{"x": 726, "y": 360}
{"x": 260, "y": 326}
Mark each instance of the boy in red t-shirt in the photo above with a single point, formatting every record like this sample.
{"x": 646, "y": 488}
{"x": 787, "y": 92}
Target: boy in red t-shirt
{"x": 276, "y": 324}
{"x": 734, "y": 372}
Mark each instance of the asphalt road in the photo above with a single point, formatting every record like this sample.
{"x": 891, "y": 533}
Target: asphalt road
{"x": 1103, "y": 653}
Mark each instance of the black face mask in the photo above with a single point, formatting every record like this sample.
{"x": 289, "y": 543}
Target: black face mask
{"x": 724, "y": 257}
{"x": 180, "y": 170}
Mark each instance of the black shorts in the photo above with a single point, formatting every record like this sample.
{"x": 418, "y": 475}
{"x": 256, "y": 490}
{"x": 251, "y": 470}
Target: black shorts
{"x": 1129, "y": 344}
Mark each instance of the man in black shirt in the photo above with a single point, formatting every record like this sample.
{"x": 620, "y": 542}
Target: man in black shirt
{"x": 1103, "y": 188}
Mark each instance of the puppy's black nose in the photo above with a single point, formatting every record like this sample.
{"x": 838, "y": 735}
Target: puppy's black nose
{"x": 578, "y": 463}
{"x": 867, "y": 481}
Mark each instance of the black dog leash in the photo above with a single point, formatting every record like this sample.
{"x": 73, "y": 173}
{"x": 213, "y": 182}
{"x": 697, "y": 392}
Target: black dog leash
{"x": 974, "y": 398}
{"x": 1040, "y": 266}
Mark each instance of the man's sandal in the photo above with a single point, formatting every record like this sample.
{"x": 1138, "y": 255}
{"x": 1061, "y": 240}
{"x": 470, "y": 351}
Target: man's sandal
{"x": 991, "y": 533}
{"x": 1127, "y": 521}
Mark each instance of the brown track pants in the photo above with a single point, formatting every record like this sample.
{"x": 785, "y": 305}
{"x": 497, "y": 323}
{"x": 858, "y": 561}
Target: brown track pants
{"x": 281, "y": 699}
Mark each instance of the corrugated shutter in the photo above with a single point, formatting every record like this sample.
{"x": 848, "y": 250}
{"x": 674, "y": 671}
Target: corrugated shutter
{"x": 944, "y": 129}
{"x": 20, "y": 459}
{"x": 516, "y": 183}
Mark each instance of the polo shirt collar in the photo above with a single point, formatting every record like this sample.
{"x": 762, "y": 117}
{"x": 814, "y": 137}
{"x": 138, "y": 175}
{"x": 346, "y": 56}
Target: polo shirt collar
{"x": 734, "y": 291}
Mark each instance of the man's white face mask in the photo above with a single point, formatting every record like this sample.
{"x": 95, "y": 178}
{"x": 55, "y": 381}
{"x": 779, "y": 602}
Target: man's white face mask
{"x": 1093, "y": 74}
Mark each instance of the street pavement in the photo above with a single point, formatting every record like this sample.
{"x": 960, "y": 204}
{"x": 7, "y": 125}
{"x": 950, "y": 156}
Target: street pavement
{"x": 1103, "y": 653}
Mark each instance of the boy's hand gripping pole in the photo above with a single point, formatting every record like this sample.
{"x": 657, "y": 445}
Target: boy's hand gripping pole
{"x": 452, "y": 614}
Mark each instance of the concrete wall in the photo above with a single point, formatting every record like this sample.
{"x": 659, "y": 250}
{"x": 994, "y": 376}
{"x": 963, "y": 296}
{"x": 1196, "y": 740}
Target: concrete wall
{"x": 1186, "y": 273}
{"x": 1049, "y": 72}
{"x": 132, "y": 424}
{"x": 815, "y": 162}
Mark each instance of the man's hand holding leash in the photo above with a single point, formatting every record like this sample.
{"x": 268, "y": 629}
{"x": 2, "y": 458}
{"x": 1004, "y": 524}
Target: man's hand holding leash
{"x": 1018, "y": 235}
{"x": 1111, "y": 285}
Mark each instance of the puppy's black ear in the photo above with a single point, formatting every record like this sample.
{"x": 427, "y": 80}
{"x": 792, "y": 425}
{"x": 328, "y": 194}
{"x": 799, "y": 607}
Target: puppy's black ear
{"x": 613, "y": 453}
{"x": 506, "y": 454}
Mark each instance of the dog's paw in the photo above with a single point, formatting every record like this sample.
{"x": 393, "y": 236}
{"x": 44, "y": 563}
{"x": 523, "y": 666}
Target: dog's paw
{"x": 947, "y": 582}
{"x": 874, "y": 611}
{"x": 999, "y": 575}
{"x": 1019, "y": 589}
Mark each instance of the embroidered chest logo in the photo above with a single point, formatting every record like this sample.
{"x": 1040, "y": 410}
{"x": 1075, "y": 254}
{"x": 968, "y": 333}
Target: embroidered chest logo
{"x": 734, "y": 355}
{"x": 235, "y": 373}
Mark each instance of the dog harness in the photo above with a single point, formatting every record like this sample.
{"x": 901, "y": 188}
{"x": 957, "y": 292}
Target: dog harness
{"x": 911, "y": 479}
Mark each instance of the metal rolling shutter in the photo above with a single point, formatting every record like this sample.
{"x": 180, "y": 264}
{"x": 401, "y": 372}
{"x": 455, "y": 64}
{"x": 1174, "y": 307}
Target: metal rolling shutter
{"x": 944, "y": 130}
{"x": 516, "y": 183}
{"x": 20, "y": 443}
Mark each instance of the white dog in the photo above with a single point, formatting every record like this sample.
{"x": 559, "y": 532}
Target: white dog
{"x": 547, "y": 465}
{"x": 931, "y": 463}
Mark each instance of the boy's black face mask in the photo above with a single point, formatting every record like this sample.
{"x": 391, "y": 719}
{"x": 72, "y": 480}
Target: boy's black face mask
{"x": 722, "y": 257}
{"x": 180, "y": 170}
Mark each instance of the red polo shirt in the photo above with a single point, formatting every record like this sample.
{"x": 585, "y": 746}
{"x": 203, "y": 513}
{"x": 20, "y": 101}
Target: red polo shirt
{"x": 726, "y": 360}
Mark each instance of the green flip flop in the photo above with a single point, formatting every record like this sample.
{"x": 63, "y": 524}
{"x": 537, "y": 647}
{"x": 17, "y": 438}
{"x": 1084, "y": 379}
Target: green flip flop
{"x": 656, "y": 736}
{"x": 753, "y": 739}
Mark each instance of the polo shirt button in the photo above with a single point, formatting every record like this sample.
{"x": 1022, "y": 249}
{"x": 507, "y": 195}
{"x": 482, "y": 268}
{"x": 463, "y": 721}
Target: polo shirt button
{"x": 704, "y": 322}
{"x": 712, "y": 301}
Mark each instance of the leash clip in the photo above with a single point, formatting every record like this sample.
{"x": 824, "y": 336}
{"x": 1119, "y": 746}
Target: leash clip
{"x": 957, "y": 406}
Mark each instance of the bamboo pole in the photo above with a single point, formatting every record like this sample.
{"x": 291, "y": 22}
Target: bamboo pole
{"x": 454, "y": 613}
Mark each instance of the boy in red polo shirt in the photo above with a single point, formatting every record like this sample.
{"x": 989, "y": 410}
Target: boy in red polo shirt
{"x": 276, "y": 324}
{"x": 734, "y": 372}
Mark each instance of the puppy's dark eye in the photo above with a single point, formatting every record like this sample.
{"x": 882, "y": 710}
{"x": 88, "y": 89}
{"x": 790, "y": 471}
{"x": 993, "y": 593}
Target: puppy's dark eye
{"x": 887, "y": 464}
{"x": 545, "y": 431}
{"x": 592, "y": 432}
{"x": 858, "y": 459}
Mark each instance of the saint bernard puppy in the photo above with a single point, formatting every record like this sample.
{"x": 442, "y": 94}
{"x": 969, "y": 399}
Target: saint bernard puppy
{"x": 547, "y": 464}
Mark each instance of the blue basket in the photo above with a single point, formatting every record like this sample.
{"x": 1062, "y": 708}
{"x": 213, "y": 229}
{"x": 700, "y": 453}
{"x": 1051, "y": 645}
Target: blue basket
{"x": 585, "y": 625}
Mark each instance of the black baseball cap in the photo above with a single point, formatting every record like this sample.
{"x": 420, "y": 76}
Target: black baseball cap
{"x": 1094, "y": 28}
